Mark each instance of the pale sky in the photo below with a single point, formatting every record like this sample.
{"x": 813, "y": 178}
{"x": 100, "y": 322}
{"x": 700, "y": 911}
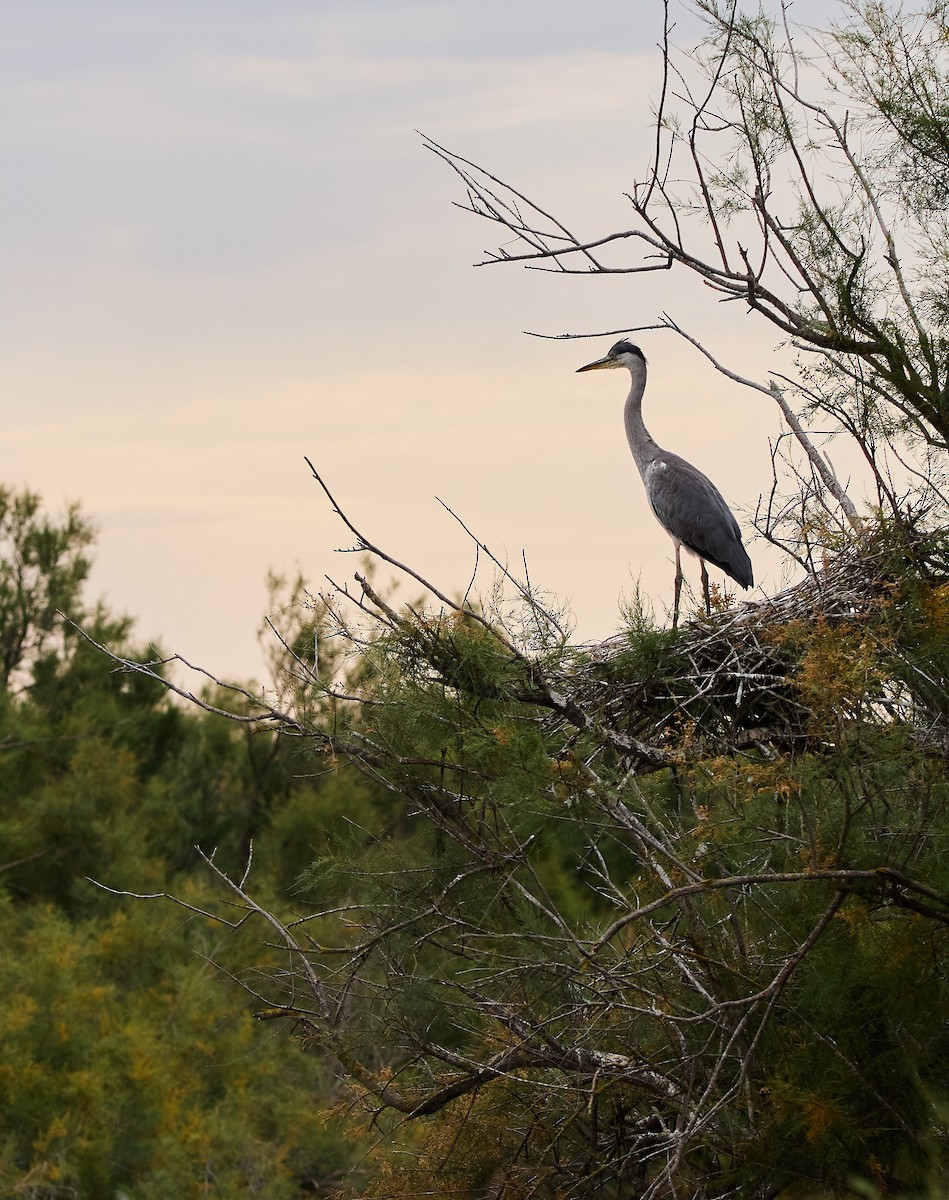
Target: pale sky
{"x": 224, "y": 248}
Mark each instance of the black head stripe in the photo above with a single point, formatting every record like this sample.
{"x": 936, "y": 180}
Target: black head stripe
{"x": 625, "y": 347}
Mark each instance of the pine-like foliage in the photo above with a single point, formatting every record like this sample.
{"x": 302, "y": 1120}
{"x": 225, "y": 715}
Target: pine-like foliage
{"x": 662, "y": 916}
{"x": 667, "y": 916}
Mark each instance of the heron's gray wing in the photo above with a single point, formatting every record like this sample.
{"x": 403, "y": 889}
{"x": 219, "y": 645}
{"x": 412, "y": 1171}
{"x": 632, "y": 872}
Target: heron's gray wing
{"x": 691, "y": 509}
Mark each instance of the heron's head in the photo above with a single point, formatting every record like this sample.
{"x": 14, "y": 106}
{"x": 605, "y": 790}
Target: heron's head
{"x": 623, "y": 354}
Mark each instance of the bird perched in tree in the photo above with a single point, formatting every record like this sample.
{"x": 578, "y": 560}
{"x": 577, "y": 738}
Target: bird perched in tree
{"x": 686, "y": 503}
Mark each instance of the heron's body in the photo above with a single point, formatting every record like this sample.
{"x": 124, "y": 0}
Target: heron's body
{"x": 684, "y": 501}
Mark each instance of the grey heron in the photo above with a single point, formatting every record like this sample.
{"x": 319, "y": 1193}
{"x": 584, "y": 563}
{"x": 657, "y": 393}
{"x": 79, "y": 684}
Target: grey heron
{"x": 686, "y": 503}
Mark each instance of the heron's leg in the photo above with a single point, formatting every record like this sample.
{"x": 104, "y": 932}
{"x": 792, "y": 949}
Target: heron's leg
{"x": 678, "y": 589}
{"x": 708, "y": 602}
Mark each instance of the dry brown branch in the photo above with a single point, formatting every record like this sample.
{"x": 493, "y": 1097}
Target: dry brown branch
{"x": 476, "y": 977}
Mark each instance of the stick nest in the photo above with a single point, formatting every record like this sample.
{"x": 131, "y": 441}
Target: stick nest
{"x": 858, "y": 639}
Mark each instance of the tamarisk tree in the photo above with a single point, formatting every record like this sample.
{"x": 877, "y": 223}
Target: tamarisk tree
{"x": 669, "y": 916}
{"x": 803, "y": 176}
{"x": 666, "y": 916}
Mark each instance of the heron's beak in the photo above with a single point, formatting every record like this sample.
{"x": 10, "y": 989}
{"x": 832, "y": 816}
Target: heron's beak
{"x": 599, "y": 365}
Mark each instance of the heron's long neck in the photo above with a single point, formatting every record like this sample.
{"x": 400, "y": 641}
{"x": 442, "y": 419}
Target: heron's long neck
{"x": 643, "y": 447}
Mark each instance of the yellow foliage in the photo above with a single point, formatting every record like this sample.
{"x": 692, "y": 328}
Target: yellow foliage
{"x": 56, "y": 1131}
{"x": 935, "y": 604}
{"x": 143, "y": 1065}
{"x": 194, "y": 1131}
{"x": 838, "y": 667}
{"x": 855, "y": 914}
{"x": 18, "y": 1013}
{"x": 169, "y": 1113}
{"x": 819, "y": 1115}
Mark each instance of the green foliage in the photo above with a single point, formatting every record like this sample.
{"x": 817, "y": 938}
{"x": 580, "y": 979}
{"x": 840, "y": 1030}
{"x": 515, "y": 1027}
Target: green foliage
{"x": 129, "y": 1065}
{"x": 668, "y": 919}
{"x": 583, "y": 965}
{"x": 43, "y": 565}
{"x": 588, "y": 965}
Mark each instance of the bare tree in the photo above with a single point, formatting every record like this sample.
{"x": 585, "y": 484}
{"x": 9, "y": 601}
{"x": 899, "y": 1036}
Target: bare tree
{"x": 595, "y": 958}
{"x": 669, "y": 917}
{"x": 805, "y": 176}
